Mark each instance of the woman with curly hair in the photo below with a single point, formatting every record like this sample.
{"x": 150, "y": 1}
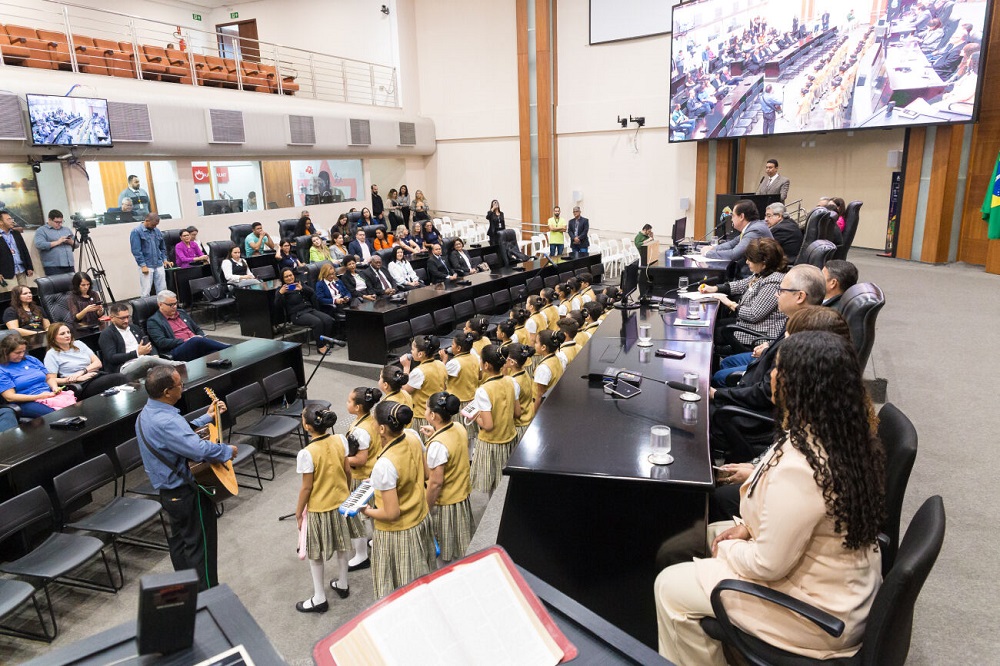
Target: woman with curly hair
{"x": 811, "y": 512}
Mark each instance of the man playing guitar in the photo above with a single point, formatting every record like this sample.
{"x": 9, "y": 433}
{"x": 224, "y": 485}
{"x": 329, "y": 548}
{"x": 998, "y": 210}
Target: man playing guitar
{"x": 167, "y": 443}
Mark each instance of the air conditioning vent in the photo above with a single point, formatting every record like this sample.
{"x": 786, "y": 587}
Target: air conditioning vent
{"x": 361, "y": 132}
{"x": 407, "y": 134}
{"x": 129, "y": 122}
{"x": 301, "y": 131}
{"x": 226, "y": 126}
{"x": 11, "y": 118}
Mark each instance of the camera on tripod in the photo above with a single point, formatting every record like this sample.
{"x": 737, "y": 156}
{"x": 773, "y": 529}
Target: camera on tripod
{"x": 82, "y": 224}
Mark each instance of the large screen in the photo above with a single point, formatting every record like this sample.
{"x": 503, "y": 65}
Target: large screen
{"x": 68, "y": 121}
{"x": 758, "y": 67}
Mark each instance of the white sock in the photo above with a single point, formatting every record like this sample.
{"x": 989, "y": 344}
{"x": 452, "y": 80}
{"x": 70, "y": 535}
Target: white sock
{"x": 319, "y": 585}
{"x": 360, "y": 550}
{"x": 342, "y": 570}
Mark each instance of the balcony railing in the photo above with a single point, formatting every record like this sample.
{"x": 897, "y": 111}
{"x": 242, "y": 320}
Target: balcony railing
{"x": 72, "y": 37}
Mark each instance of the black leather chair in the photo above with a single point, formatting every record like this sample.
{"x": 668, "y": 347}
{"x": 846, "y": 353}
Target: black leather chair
{"x": 860, "y": 306}
{"x": 447, "y": 246}
{"x": 218, "y": 251}
{"x": 53, "y": 292}
{"x": 286, "y": 229}
{"x": 369, "y": 230}
{"x": 386, "y": 256}
{"x": 302, "y": 245}
{"x": 171, "y": 237}
{"x": 313, "y": 271}
{"x": 509, "y": 250}
{"x": 851, "y": 220}
{"x": 817, "y": 253}
{"x": 238, "y": 233}
{"x": 810, "y": 232}
{"x": 352, "y": 220}
{"x": 142, "y": 309}
{"x": 899, "y": 438}
{"x": 886, "y": 641}
{"x": 200, "y": 298}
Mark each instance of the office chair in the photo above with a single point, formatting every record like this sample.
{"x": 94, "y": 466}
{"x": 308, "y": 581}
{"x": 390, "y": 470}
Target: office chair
{"x": 851, "y": 220}
{"x": 860, "y": 306}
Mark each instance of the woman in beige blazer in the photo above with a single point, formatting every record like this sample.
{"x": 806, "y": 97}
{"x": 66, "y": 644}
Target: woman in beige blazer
{"x": 811, "y": 511}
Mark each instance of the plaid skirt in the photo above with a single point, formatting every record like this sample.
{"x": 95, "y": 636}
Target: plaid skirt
{"x": 326, "y": 534}
{"x": 453, "y": 528}
{"x": 417, "y": 422}
{"x": 401, "y": 557}
{"x": 471, "y": 428}
{"x": 520, "y": 432}
{"x": 356, "y": 523}
{"x": 487, "y": 464}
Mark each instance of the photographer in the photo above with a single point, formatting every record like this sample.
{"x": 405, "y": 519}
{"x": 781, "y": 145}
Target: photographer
{"x": 55, "y": 245}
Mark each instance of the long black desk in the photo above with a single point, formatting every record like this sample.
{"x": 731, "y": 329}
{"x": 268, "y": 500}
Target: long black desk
{"x": 34, "y": 453}
{"x": 585, "y": 510}
{"x": 785, "y": 58}
{"x": 663, "y": 276}
{"x": 366, "y": 323}
{"x": 221, "y": 622}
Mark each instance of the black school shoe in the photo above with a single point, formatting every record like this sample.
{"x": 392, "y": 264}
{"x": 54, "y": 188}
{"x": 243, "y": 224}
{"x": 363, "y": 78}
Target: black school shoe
{"x": 343, "y": 594}
{"x": 317, "y": 608}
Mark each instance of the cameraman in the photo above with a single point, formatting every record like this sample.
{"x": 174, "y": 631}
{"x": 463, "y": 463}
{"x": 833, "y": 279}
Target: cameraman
{"x": 55, "y": 245}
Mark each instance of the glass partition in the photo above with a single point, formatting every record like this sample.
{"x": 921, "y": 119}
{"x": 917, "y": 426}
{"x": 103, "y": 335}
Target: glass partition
{"x": 124, "y": 192}
{"x": 228, "y": 186}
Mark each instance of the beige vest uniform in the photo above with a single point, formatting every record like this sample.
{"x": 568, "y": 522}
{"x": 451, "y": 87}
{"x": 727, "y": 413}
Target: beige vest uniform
{"x": 457, "y": 480}
{"x": 367, "y": 423}
{"x": 464, "y": 386}
{"x": 501, "y": 395}
{"x": 435, "y": 379}
{"x": 551, "y": 313}
{"x": 329, "y": 488}
{"x": 407, "y": 456}
{"x": 526, "y": 398}
{"x": 402, "y": 397}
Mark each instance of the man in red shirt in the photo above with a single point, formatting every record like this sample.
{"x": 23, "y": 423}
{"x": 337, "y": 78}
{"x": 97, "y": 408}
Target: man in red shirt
{"x": 174, "y": 332}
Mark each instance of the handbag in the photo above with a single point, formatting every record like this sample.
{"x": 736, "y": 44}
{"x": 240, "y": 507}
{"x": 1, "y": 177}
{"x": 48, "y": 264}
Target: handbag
{"x": 213, "y": 293}
{"x": 59, "y": 400}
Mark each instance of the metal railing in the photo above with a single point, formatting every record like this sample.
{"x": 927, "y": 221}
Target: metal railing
{"x": 130, "y": 46}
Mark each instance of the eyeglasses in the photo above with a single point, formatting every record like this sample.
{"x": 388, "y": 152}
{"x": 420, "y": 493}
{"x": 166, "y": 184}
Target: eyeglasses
{"x": 787, "y": 290}
{"x": 169, "y": 305}
{"x": 120, "y": 316}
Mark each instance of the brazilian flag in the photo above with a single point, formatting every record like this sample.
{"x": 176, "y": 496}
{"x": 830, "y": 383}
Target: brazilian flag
{"x": 991, "y": 205}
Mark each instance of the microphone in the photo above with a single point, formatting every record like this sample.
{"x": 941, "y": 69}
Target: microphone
{"x": 681, "y": 386}
{"x": 721, "y": 225}
{"x": 326, "y": 340}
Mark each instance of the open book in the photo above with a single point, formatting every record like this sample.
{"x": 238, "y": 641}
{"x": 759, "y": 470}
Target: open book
{"x": 478, "y": 610}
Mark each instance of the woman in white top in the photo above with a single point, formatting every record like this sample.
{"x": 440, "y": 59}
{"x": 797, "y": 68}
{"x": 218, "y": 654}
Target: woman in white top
{"x": 401, "y": 270}
{"x": 73, "y": 362}
{"x": 235, "y": 268}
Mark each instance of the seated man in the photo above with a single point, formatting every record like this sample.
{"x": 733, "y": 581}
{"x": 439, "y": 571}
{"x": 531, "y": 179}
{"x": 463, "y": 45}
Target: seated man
{"x": 437, "y": 267}
{"x": 174, "y": 332}
{"x": 681, "y": 123}
{"x": 124, "y": 347}
{"x": 258, "y": 239}
{"x": 840, "y": 276}
{"x": 361, "y": 247}
{"x": 379, "y": 278}
{"x": 747, "y": 221}
{"x": 784, "y": 230}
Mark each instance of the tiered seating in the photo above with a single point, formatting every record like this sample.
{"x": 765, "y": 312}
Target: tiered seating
{"x": 25, "y": 46}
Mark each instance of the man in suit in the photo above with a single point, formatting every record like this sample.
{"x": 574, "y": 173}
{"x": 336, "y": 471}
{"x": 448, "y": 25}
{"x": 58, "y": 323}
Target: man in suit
{"x": 579, "y": 228}
{"x": 15, "y": 262}
{"x": 747, "y": 221}
{"x": 124, "y": 345}
{"x": 361, "y": 248}
{"x": 380, "y": 280}
{"x": 773, "y": 182}
{"x": 784, "y": 230}
{"x": 174, "y": 332}
{"x": 437, "y": 268}
{"x": 460, "y": 261}
{"x": 840, "y": 276}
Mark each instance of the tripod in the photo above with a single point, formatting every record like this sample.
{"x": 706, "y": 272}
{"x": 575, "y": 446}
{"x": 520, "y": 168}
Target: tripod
{"x": 90, "y": 261}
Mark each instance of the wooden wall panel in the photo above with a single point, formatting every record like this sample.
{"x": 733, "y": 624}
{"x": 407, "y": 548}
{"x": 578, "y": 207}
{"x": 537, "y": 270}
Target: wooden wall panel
{"x": 911, "y": 187}
{"x": 277, "y": 175}
{"x": 543, "y": 82}
{"x": 941, "y": 194}
{"x": 723, "y": 163}
{"x": 701, "y": 190}
{"x": 523, "y": 109}
{"x": 113, "y": 179}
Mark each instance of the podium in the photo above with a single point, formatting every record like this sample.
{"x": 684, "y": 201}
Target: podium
{"x": 762, "y": 201}
{"x": 649, "y": 252}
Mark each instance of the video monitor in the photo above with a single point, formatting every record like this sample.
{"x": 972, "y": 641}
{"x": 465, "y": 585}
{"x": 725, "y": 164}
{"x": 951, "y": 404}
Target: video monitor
{"x": 69, "y": 121}
{"x": 754, "y": 68}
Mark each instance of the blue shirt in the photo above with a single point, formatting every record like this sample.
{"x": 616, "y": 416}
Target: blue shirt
{"x": 769, "y": 103}
{"x": 147, "y": 246}
{"x": 58, "y": 256}
{"x": 26, "y": 377}
{"x": 8, "y": 237}
{"x": 170, "y": 434}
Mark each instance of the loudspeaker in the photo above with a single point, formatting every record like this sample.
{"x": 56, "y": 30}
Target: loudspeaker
{"x": 167, "y": 606}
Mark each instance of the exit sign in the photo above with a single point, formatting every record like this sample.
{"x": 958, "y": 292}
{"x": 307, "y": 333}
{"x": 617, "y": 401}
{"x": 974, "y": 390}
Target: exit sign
{"x": 233, "y": 15}
{"x": 196, "y": 17}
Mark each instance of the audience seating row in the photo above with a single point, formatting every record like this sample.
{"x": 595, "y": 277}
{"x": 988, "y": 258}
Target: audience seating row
{"x": 51, "y": 49}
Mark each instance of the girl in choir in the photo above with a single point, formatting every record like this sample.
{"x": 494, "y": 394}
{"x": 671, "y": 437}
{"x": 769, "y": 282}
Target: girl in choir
{"x": 505, "y": 333}
{"x": 324, "y": 469}
{"x": 448, "y": 478}
{"x": 573, "y": 294}
{"x": 403, "y": 543}
{"x": 563, "y": 292}
{"x": 586, "y": 290}
{"x": 427, "y": 373}
{"x": 592, "y": 313}
{"x": 360, "y": 403}
{"x": 536, "y": 321}
{"x": 478, "y": 325}
{"x": 520, "y": 316}
{"x": 463, "y": 372}
{"x": 517, "y": 356}
{"x": 551, "y": 310}
{"x": 498, "y": 405}
{"x": 391, "y": 382}
{"x": 550, "y": 368}
{"x": 569, "y": 349}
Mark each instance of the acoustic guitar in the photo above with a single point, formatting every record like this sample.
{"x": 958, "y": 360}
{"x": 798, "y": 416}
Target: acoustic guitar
{"x": 219, "y": 477}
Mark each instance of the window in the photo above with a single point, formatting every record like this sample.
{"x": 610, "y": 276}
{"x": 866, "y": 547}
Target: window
{"x": 228, "y": 187}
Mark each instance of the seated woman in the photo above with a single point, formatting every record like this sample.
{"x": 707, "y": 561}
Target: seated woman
{"x": 319, "y": 251}
{"x": 188, "y": 252}
{"x": 331, "y": 294}
{"x": 355, "y": 282}
{"x": 757, "y": 308}
{"x": 343, "y": 227}
{"x": 23, "y": 315}
{"x": 383, "y": 241}
{"x": 72, "y": 362}
{"x": 401, "y": 270}
{"x": 23, "y": 379}
{"x": 405, "y": 241}
{"x": 84, "y": 305}
{"x": 287, "y": 258}
{"x": 299, "y": 304}
{"x": 338, "y": 251}
{"x": 811, "y": 513}
{"x": 305, "y": 227}
{"x": 429, "y": 235}
{"x": 235, "y": 269}
{"x": 366, "y": 219}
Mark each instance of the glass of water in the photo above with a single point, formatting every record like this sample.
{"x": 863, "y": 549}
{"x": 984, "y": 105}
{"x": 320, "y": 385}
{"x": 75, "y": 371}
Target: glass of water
{"x": 682, "y": 283}
{"x": 659, "y": 444}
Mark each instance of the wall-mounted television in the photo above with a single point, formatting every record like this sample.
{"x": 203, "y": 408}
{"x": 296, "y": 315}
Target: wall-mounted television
{"x": 759, "y": 67}
{"x": 68, "y": 121}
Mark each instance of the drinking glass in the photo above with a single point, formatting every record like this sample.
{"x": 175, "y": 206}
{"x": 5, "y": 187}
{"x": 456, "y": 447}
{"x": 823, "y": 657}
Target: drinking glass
{"x": 659, "y": 444}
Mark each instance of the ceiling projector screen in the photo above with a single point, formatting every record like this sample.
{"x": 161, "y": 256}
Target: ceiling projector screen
{"x": 615, "y": 20}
